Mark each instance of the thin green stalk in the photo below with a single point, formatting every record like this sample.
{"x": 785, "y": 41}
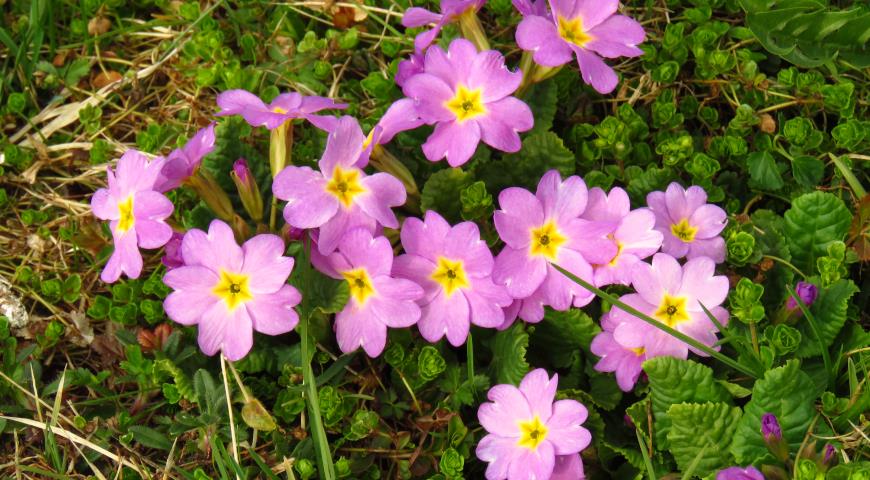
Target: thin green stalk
{"x": 787, "y": 264}
{"x": 646, "y": 459}
{"x": 318, "y": 433}
{"x": 655, "y": 323}
{"x": 850, "y": 177}
{"x": 826, "y": 358}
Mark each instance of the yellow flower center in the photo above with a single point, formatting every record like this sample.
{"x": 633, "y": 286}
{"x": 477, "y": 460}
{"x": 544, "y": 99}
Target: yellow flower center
{"x": 345, "y": 185}
{"x": 368, "y": 139}
{"x": 546, "y": 241}
{"x": 450, "y": 274}
{"x": 361, "y": 288}
{"x": 467, "y": 104}
{"x": 684, "y": 231}
{"x": 572, "y": 31}
{"x": 639, "y": 351}
{"x": 672, "y": 311}
{"x": 279, "y": 110}
{"x": 533, "y": 433}
{"x": 126, "y": 220}
{"x": 615, "y": 258}
{"x": 233, "y": 289}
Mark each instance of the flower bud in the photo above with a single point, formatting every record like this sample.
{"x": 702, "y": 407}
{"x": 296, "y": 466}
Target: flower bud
{"x": 806, "y": 291}
{"x": 172, "y": 252}
{"x": 772, "y": 434}
{"x": 207, "y": 188}
{"x": 249, "y": 192}
{"x": 829, "y": 458}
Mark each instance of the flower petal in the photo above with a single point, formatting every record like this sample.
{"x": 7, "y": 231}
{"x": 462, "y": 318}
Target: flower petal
{"x": 454, "y": 140}
{"x": 565, "y": 429}
{"x": 562, "y": 201}
{"x": 540, "y": 390}
{"x": 309, "y": 205}
{"x": 539, "y": 35}
{"x": 273, "y": 314}
{"x": 520, "y": 211}
{"x": 595, "y": 72}
{"x": 518, "y": 272}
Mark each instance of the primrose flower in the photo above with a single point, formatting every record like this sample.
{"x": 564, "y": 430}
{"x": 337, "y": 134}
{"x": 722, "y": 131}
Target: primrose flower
{"x": 624, "y": 361}
{"x": 806, "y": 291}
{"x": 183, "y": 162}
{"x": 527, "y": 430}
{"x": 340, "y": 196}
{"x": 543, "y": 228}
{"x": 568, "y": 467}
{"x": 136, "y": 213}
{"x": 466, "y": 95}
{"x": 586, "y": 29}
{"x": 634, "y": 234}
{"x": 454, "y": 267}
{"x": 231, "y": 291}
{"x": 284, "y": 107}
{"x": 377, "y": 299}
{"x": 673, "y": 295}
{"x": 737, "y": 473}
{"x": 690, "y": 225}
{"x": 450, "y": 12}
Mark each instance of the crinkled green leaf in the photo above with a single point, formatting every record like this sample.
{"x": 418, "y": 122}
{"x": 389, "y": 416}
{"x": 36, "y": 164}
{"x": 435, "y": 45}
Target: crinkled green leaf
{"x": 561, "y": 335}
{"x": 786, "y": 392}
{"x": 542, "y": 98}
{"x": 150, "y": 438}
{"x": 672, "y": 381}
{"x": 829, "y": 311}
{"x": 763, "y": 171}
{"x": 509, "y": 354}
{"x": 704, "y": 429}
{"x": 813, "y": 222}
{"x": 541, "y": 152}
{"x": 442, "y": 190}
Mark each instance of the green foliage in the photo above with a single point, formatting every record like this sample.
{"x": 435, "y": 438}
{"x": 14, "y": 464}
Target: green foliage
{"x": 441, "y": 191}
{"x": 787, "y": 392}
{"x": 813, "y": 222}
{"x": 746, "y": 301}
{"x": 830, "y": 312}
{"x": 509, "y": 355}
{"x": 700, "y": 435}
{"x": 430, "y": 363}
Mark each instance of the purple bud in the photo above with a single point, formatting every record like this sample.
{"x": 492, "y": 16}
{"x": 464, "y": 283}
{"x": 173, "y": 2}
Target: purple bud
{"x": 770, "y": 427}
{"x": 172, "y": 256}
{"x": 628, "y": 421}
{"x": 240, "y": 168}
{"x": 830, "y": 451}
{"x": 737, "y": 473}
{"x": 806, "y": 291}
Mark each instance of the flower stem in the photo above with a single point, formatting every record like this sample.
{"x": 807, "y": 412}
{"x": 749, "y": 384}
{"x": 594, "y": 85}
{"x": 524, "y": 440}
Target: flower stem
{"x": 280, "y": 155}
{"x": 386, "y": 162}
{"x": 655, "y": 323}
{"x": 850, "y": 177}
{"x": 471, "y": 29}
{"x": 235, "y": 445}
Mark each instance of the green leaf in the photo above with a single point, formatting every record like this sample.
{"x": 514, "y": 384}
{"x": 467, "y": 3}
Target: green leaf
{"x": 150, "y": 438}
{"x": 541, "y": 152}
{"x": 813, "y": 222}
{"x": 829, "y": 311}
{"x": 763, "y": 172}
{"x": 543, "y": 98}
{"x": 808, "y": 34}
{"x": 441, "y": 191}
{"x": 704, "y": 429}
{"x": 257, "y": 417}
{"x": 672, "y": 381}
{"x": 786, "y": 392}
{"x": 562, "y": 334}
{"x": 807, "y": 171}
{"x": 209, "y": 395}
{"x": 509, "y": 354}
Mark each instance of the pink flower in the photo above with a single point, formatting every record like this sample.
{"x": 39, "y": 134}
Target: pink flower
{"x": 183, "y": 162}
{"x": 673, "y": 295}
{"x": 340, "y": 197}
{"x": 737, "y": 473}
{"x": 466, "y": 95}
{"x": 587, "y": 29}
{"x": 624, "y": 361}
{"x": 408, "y": 68}
{"x": 633, "y": 235}
{"x": 284, "y": 107}
{"x": 690, "y": 225}
{"x": 136, "y": 213}
{"x": 454, "y": 267}
{"x": 377, "y": 299}
{"x": 450, "y": 12}
{"x": 568, "y": 467}
{"x": 527, "y": 430}
{"x": 543, "y": 228}
{"x": 172, "y": 252}
{"x": 231, "y": 291}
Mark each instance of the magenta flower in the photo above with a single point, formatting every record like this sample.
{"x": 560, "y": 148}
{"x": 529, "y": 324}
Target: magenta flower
{"x": 543, "y": 228}
{"x": 568, "y": 467}
{"x": 532, "y": 7}
{"x": 454, "y": 267}
{"x": 450, "y": 12}
{"x": 231, "y": 291}
{"x": 673, "y": 295}
{"x": 806, "y": 291}
{"x": 172, "y": 252}
{"x": 377, "y": 299}
{"x": 623, "y": 360}
{"x": 136, "y": 213}
{"x": 690, "y": 226}
{"x": 587, "y": 29}
{"x": 183, "y": 162}
{"x": 526, "y": 430}
{"x": 408, "y": 68}
{"x": 466, "y": 95}
{"x": 340, "y": 197}
{"x": 737, "y": 473}
{"x": 770, "y": 428}
{"x": 284, "y": 107}
{"x": 634, "y": 234}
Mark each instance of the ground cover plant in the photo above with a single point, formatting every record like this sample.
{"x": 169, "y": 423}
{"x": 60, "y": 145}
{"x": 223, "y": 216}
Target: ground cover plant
{"x": 467, "y": 239}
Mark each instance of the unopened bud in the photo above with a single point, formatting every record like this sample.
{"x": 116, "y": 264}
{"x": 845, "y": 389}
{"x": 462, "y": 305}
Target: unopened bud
{"x": 249, "y": 192}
